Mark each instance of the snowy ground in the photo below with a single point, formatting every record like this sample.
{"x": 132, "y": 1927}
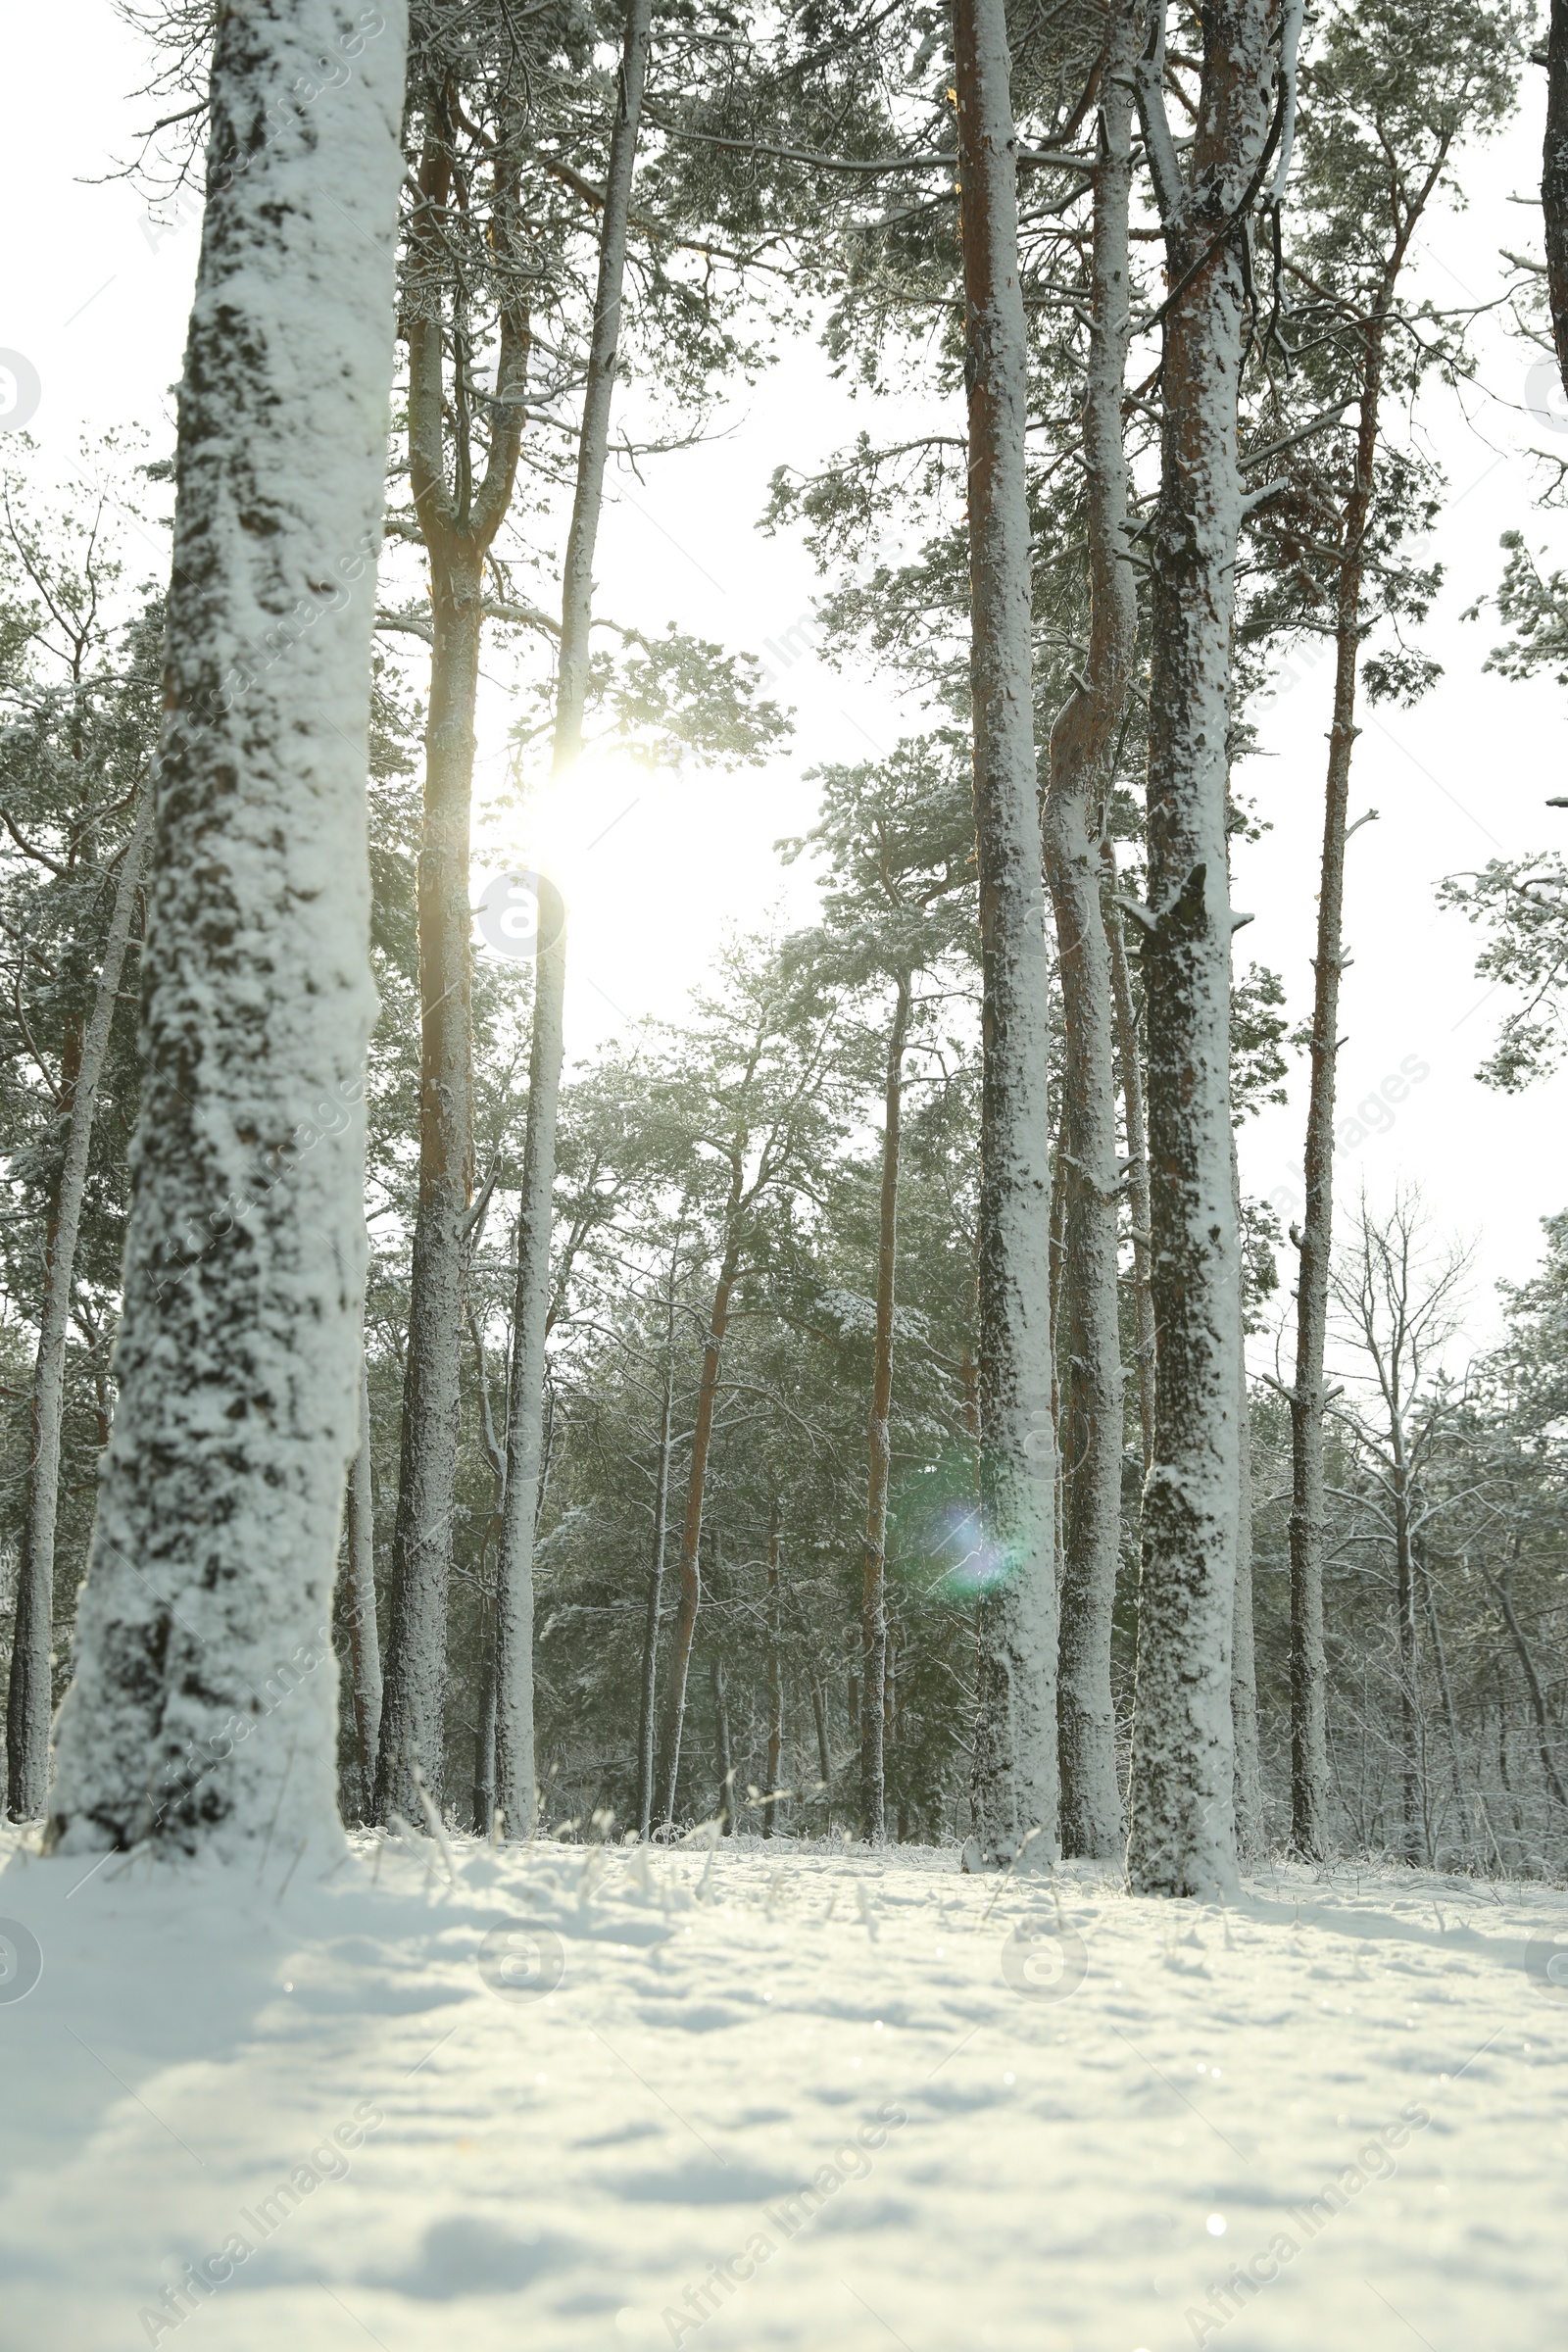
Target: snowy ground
{"x": 829, "y": 2100}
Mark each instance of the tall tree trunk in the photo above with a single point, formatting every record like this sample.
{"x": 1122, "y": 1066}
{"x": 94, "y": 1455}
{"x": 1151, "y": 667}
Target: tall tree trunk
{"x": 29, "y": 1703}
{"x": 824, "y": 1760}
{"x": 691, "y": 1581}
{"x": 1408, "y": 1649}
{"x": 1182, "y": 1806}
{"x": 1081, "y": 741}
{"x": 775, "y": 1676}
{"x": 1130, "y": 1053}
{"x": 723, "y": 1758}
{"x": 1538, "y": 1701}
{"x": 515, "y": 1756}
{"x": 1249, "y": 1785}
{"x": 656, "y": 1567}
{"x": 1314, "y": 1236}
{"x": 364, "y": 1641}
{"x": 1554, "y": 180}
{"x": 203, "y": 1716}
{"x": 1013, "y": 1783}
{"x": 458, "y": 524}
{"x": 873, "y": 1575}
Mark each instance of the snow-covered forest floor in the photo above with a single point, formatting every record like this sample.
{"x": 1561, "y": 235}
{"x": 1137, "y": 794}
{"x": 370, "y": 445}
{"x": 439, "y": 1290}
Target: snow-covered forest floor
{"x": 903, "y": 2106}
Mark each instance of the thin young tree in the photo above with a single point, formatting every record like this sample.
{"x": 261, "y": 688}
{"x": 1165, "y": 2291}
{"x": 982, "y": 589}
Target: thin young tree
{"x": 898, "y": 836}
{"x": 463, "y": 448}
{"x": 202, "y": 1717}
{"x": 1393, "y": 87}
{"x": 515, "y": 1735}
{"x": 1014, "y": 1779}
{"x": 1182, "y": 1820}
{"x": 29, "y": 1706}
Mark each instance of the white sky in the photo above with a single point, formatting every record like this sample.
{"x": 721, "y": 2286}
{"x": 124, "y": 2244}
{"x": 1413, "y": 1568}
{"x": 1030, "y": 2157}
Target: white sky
{"x": 95, "y": 299}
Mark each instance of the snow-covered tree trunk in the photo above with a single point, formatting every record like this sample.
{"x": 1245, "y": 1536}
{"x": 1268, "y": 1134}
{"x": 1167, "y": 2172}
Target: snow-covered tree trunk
{"x": 1080, "y": 743}
{"x": 1247, "y": 1779}
{"x": 1183, "y": 1835}
{"x": 203, "y": 1714}
{"x": 29, "y": 1703}
{"x": 459, "y": 519}
{"x": 873, "y": 1569}
{"x": 1135, "y": 1129}
{"x": 359, "y": 1599}
{"x": 1014, "y": 1783}
{"x": 514, "y": 1751}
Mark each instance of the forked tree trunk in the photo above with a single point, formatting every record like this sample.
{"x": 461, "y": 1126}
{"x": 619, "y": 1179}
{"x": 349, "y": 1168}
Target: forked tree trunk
{"x": 1182, "y": 1807}
{"x": 458, "y": 523}
{"x": 29, "y": 1704}
{"x": 1013, "y": 1780}
{"x": 873, "y": 1574}
{"x": 202, "y": 1717}
{"x": 1081, "y": 741}
{"x": 515, "y": 1741}
{"x": 364, "y": 1641}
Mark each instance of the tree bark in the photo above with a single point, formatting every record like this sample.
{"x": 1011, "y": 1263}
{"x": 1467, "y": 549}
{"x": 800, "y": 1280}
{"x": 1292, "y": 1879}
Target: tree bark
{"x": 691, "y": 1584}
{"x": 1314, "y": 1238}
{"x": 656, "y": 1567}
{"x": 1182, "y": 1807}
{"x": 1248, "y": 1784}
{"x": 775, "y": 1676}
{"x": 1014, "y": 1783}
{"x": 364, "y": 1641}
{"x": 873, "y": 1575}
{"x": 1538, "y": 1700}
{"x": 1081, "y": 742}
{"x": 29, "y": 1703}
{"x": 203, "y": 1716}
{"x": 1129, "y": 1049}
{"x": 1554, "y": 180}
{"x": 458, "y": 523}
{"x": 515, "y": 1756}
{"x": 723, "y": 1759}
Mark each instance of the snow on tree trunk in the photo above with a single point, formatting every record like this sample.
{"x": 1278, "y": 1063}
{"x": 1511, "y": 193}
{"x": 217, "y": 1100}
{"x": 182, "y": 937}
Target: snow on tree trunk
{"x": 873, "y": 1571}
{"x": 364, "y": 1639}
{"x": 1013, "y": 1780}
{"x": 1182, "y": 1806}
{"x": 1134, "y": 1128}
{"x": 29, "y": 1703}
{"x": 1248, "y": 1782}
{"x": 514, "y": 1744}
{"x": 203, "y": 1714}
{"x": 1081, "y": 742}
